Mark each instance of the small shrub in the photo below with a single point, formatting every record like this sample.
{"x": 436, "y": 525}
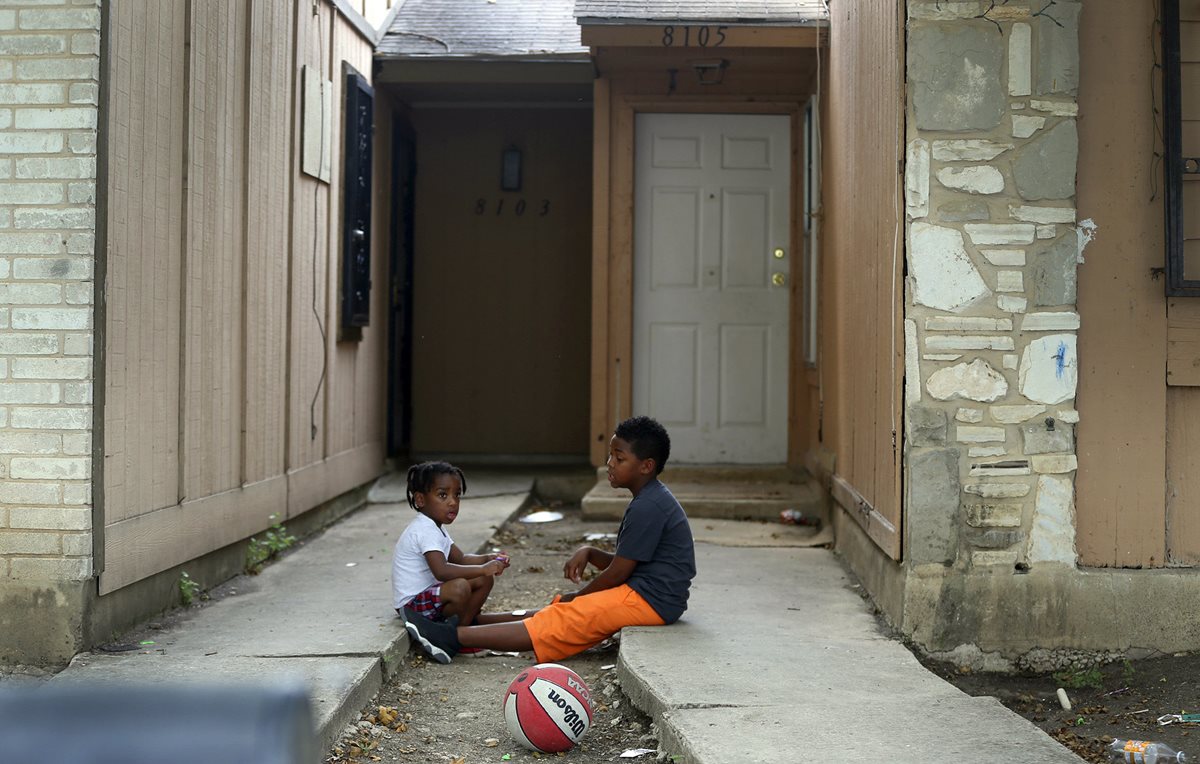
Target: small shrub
{"x": 273, "y": 541}
{"x": 189, "y": 588}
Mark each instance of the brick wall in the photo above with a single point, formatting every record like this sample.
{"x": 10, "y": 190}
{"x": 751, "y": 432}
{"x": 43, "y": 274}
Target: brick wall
{"x": 49, "y": 65}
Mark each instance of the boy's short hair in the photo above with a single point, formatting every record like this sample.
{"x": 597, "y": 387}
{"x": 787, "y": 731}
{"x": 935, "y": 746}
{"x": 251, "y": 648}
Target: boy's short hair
{"x": 647, "y": 439}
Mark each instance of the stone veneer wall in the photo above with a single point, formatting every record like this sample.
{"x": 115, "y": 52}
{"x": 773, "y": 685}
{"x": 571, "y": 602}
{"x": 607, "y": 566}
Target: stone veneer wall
{"x": 993, "y": 245}
{"x": 49, "y": 69}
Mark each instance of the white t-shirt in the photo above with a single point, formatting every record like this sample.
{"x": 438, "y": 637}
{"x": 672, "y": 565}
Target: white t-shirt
{"x": 410, "y": 571}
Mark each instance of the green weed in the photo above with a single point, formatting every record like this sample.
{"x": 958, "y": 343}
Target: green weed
{"x": 189, "y": 588}
{"x": 273, "y": 541}
{"x": 1074, "y": 678}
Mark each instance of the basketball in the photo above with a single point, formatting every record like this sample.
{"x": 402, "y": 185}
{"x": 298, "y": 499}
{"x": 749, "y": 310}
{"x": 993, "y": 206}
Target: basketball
{"x": 548, "y": 708}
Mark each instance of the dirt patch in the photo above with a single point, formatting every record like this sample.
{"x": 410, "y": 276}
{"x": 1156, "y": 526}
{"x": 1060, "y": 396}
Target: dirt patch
{"x": 453, "y": 713}
{"x": 1119, "y": 700}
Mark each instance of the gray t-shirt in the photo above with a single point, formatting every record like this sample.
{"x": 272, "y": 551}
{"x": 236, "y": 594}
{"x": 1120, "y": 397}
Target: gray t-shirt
{"x": 655, "y": 533}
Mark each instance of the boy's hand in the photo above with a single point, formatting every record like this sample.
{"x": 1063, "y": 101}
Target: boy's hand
{"x": 573, "y": 568}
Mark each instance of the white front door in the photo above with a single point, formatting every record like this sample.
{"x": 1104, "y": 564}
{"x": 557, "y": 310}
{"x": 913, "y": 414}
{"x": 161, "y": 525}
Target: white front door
{"x": 710, "y": 283}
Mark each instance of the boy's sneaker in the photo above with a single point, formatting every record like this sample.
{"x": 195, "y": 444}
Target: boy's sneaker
{"x": 438, "y": 639}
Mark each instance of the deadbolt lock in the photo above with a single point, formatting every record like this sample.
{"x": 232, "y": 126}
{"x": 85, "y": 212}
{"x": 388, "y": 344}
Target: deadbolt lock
{"x": 779, "y": 253}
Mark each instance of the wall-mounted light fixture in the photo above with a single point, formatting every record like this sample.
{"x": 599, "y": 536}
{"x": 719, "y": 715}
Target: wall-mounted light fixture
{"x": 510, "y": 170}
{"x": 711, "y": 71}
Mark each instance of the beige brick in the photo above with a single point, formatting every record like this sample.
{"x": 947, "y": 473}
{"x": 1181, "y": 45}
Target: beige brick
{"x": 29, "y": 493}
{"x": 53, "y": 268}
{"x": 50, "y": 468}
{"x": 77, "y": 344}
{"x": 76, "y": 444}
{"x": 60, "y": 519}
{"x": 8, "y": 19}
{"x": 51, "y": 418}
{"x": 31, "y": 243}
{"x": 45, "y": 168}
{"x": 3, "y": 416}
{"x": 30, "y": 442}
{"x": 77, "y": 392}
{"x": 77, "y": 544}
{"x": 66, "y": 118}
{"x": 31, "y": 294}
{"x": 59, "y": 18}
{"x": 82, "y": 143}
{"x": 58, "y": 69}
{"x": 77, "y": 494}
{"x": 81, "y": 244}
{"x": 58, "y": 218}
{"x": 31, "y": 143}
{"x": 85, "y": 43}
{"x": 81, "y": 193}
{"x": 50, "y": 569}
{"x": 29, "y": 392}
{"x": 31, "y": 193}
{"x": 18, "y": 542}
{"x": 51, "y": 318}
{"x": 52, "y": 368}
{"x": 78, "y": 294}
{"x": 29, "y": 343}
{"x": 19, "y": 94}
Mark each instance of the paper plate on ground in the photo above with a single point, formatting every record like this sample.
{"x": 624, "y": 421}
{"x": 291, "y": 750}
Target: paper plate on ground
{"x": 544, "y": 516}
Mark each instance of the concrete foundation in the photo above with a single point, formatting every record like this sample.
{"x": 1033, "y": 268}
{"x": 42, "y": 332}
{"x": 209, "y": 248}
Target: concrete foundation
{"x": 1041, "y": 616}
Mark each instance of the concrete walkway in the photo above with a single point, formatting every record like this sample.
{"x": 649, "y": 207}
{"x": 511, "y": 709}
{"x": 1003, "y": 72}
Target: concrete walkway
{"x": 776, "y": 658}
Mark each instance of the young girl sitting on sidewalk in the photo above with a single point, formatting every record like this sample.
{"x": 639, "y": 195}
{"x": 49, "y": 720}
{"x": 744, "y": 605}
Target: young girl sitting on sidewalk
{"x": 430, "y": 574}
{"x": 644, "y": 583}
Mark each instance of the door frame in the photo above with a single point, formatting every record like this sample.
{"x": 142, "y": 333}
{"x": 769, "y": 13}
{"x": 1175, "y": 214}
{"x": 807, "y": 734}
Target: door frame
{"x": 612, "y": 253}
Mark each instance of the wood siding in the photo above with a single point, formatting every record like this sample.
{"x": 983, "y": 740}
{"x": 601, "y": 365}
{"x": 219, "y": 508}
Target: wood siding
{"x": 863, "y": 253}
{"x": 1138, "y": 484}
{"x": 227, "y": 395}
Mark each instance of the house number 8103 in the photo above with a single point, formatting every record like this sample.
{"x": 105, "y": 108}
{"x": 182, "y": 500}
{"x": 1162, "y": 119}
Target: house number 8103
{"x": 541, "y": 208}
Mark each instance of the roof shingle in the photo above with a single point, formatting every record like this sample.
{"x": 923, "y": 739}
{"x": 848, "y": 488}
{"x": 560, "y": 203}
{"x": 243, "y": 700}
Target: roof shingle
{"x": 483, "y": 29}
{"x": 787, "y": 12}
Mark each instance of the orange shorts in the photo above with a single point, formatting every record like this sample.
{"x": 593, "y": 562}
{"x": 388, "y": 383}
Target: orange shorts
{"x": 563, "y": 629}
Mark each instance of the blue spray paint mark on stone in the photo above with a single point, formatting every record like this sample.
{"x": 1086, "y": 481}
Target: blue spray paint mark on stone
{"x": 1060, "y": 359}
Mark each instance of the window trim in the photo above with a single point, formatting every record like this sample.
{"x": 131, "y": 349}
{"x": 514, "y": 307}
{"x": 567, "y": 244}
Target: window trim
{"x": 1173, "y": 161}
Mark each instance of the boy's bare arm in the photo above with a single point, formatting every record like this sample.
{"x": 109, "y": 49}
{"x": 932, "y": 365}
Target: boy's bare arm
{"x": 584, "y": 556}
{"x": 445, "y": 570}
{"x": 616, "y": 572}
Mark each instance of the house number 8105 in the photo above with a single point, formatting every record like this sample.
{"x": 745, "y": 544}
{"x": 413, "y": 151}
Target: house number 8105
{"x": 706, "y": 37}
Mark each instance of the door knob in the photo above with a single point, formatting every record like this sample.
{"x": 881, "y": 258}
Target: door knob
{"x": 778, "y": 279}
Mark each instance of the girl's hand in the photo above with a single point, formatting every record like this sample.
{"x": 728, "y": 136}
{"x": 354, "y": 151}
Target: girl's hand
{"x": 493, "y": 567}
{"x": 501, "y": 558}
{"x": 575, "y": 565}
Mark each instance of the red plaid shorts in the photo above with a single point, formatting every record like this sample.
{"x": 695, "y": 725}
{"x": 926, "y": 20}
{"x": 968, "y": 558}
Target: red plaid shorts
{"x": 428, "y": 603}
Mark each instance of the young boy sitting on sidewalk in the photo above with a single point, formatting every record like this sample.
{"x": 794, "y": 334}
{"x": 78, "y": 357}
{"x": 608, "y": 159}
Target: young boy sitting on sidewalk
{"x": 645, "y": 583}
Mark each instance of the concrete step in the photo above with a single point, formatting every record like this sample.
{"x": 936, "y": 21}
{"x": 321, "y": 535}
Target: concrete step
{"x": 720, "y": 491}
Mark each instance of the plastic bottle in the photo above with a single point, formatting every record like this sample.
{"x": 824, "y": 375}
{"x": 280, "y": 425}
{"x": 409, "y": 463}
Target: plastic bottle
{"x": 796, "y": 517}
{"x": 1143, "y": 752}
